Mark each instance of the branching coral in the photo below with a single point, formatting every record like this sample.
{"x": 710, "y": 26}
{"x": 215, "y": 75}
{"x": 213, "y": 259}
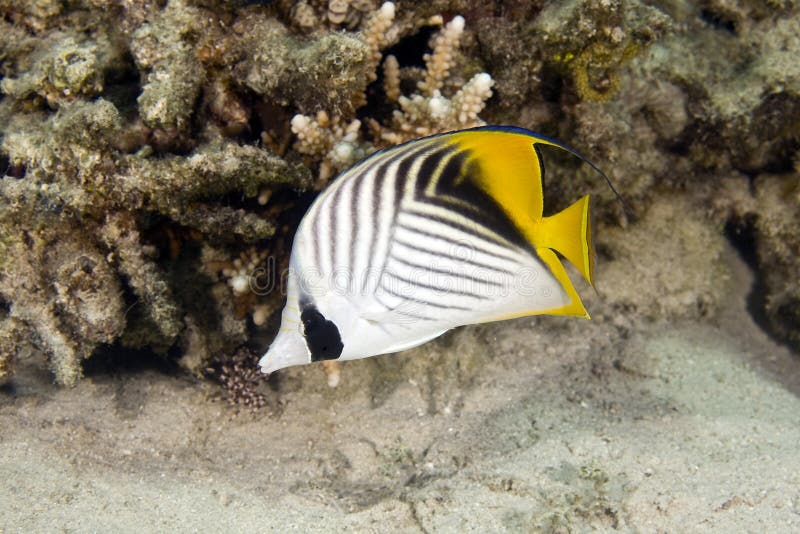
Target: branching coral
{"x": 97, "y": 229}
{"x": 420, "y": 114}
{"x": 63, "y": 69}
{"x": 379, "y": 33}
{"x": 75, "y": 179}
{"x": 439, "y": 63}
{"x": 316, "y": 14}
{"x": 339, "y": 144}
{"x": 330, "y": 68}
{"x": 61, "y": 288}
{"x": 431, "y": 112}
{"x": 172, "y": 73}
{"x": 85, "y": 173}
{"x": 337, "y": 139}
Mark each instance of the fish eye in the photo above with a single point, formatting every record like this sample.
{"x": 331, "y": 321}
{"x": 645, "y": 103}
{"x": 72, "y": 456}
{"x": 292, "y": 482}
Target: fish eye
{"x": 322, "y": 336}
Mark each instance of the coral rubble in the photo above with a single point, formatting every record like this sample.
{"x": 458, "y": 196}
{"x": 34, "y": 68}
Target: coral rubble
{"x": 152, "y": 152}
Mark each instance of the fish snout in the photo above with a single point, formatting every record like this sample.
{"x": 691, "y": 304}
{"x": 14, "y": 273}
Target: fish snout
{"x": 288, "y": 349}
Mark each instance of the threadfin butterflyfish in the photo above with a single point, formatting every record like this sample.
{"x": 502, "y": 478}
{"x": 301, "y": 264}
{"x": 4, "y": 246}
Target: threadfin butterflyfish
{"x": 436, "y": 233}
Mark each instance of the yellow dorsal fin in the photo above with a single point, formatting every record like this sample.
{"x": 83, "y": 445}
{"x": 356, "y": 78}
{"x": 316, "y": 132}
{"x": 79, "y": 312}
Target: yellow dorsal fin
{"x": 510, "y": 170}
{"x": 569, "y": 233}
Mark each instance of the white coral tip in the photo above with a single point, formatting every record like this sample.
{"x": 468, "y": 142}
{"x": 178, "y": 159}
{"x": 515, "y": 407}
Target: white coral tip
{"x": 482, "y": 82}
{"x": 387, "y": 10}
{"x": 240, "y": 284}
{"x": 457, "y": 23}
{"x": 437, "y": 106}
{"x": 300, "y": 123}
{"x": 343, "y": 151}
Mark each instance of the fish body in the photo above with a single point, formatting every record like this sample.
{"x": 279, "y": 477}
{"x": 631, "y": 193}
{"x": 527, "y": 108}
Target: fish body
{"x": 426, "y": 236}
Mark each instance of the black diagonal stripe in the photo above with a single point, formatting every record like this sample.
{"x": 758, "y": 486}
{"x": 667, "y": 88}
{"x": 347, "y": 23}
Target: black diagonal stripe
{"x": 491, "y": 235}
{"x": 463, "y": 243}
{"x": 458, "y": 181}
{"x": 427, "y": 171}
{"x": 453, "y": 171}
{"x": 474, "y": 263}
{"x": 462, "y": 276}
{"x": 401, "y": 312}
{"x": 439, "y": 289}
{"x": 423, "y": 301}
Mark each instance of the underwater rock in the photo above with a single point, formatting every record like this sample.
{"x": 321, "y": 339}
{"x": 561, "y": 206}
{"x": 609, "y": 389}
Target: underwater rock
{"x": 745, "y": 96}
{"x": 311, "y": 74}
{"x": 67, "y": 69}
{"x": 60, "y": 290}
{"x": 594, "y": 40}
{"x": 777, "y": 232}
{"x": 667, "y": 265}
{"x": 35, "y": 15}
{"x": 173, "y": 76}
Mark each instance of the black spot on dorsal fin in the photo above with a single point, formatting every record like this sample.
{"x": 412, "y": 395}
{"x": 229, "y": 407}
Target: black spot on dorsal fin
{"x": 322, "y": 336}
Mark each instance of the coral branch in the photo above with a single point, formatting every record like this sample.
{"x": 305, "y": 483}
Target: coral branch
{"x": 438, "y": 64}
{"x": 143, "y": 275}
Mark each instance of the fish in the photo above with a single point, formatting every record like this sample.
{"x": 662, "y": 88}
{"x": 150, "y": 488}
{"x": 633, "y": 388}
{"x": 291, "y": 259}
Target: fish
{"x": 436, "y": 233}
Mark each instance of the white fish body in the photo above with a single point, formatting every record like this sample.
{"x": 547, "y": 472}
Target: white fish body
{"x": 420, "y": 238}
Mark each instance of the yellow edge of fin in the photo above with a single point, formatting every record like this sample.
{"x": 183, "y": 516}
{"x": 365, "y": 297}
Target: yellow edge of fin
{"x": 569, "y": 233}
{"x": 575, "y": 306}
{"x": 511, "y": 173}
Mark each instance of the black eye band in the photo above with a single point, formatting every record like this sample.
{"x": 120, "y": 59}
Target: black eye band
{"x": 322, "y": 336}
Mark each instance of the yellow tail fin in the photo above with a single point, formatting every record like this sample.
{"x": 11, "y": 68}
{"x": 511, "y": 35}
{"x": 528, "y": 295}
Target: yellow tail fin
{"x": 569, "y": 233}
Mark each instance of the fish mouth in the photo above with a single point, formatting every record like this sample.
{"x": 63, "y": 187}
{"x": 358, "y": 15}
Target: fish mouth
{"x": 288, "y": 349}
{"x": 265, "y": 367}
{"x": 269, "y": 365}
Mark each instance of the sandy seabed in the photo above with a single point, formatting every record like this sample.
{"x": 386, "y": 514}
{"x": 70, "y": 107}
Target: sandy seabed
{"x": 531, "y": 425}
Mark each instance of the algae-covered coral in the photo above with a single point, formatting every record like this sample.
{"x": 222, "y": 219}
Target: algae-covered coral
{"x": 109, "y": 197}
{"x": 146, "y": 145}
